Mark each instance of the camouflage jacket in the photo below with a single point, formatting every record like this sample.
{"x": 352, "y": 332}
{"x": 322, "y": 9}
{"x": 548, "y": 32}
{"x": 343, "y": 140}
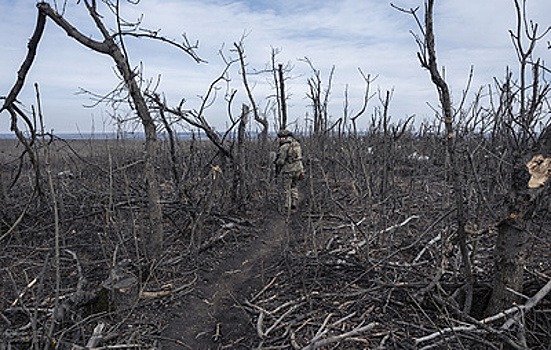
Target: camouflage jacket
{"x": 289, "y": 156}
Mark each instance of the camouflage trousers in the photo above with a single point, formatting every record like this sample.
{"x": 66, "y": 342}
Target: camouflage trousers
{"x": 290, "y": 188}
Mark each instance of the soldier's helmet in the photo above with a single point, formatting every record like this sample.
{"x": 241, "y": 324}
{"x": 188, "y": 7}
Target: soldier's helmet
{"x": 284, "y": 133}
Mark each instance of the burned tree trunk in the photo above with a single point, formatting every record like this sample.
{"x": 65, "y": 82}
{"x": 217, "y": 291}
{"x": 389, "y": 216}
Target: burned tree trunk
{"x": 510, "y": 253}
{"x": 427, "y": 58}
{"x": 525, "y": 111}
{"x": 283, "y": 105}
{"x": 510, "y": 256}
{"x": 262, "y": 121}
{"x": 320, "y": 99}
{"x": 239, "y": 159}
{"x": 108, "y": 46}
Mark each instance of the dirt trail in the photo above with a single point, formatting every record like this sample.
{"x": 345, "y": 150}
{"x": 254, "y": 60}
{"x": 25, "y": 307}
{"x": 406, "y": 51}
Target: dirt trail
{"x": 210, "y": 318}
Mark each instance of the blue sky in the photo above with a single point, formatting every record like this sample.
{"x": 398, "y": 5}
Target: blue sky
{"x": 349, "y": 34}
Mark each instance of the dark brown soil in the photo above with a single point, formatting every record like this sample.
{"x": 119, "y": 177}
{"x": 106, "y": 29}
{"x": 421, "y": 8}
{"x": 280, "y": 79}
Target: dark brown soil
{"x": 211, "y": 317}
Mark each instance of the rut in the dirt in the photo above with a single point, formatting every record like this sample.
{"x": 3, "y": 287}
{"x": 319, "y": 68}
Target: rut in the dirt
{"x": 211, "y": 315}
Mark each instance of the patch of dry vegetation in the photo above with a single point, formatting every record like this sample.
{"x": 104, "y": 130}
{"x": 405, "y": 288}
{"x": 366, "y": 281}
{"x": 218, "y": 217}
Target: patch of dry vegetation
{"x": 369, "y": 261}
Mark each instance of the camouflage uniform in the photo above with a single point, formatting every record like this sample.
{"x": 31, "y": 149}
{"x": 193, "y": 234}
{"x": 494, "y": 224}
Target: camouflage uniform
{"x": 289, "y": 164}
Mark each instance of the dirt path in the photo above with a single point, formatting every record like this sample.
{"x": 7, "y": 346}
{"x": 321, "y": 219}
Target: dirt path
{"x": 210, "y": 318}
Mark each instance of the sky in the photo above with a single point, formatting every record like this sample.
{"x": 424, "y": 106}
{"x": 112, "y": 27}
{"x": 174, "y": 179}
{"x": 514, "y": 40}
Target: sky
{"x": 348, "y": 35}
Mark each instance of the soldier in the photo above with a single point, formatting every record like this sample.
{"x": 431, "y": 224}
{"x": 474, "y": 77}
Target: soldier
{"x": 289, "y": 163}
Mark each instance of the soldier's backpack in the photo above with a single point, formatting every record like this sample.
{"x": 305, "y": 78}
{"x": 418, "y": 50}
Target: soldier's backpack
{"x": 295, "y": 152}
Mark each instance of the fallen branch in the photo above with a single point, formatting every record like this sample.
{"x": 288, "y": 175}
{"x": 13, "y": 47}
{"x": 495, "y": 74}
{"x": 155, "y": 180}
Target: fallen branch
{"x": 108, "y": 347}
{"x": 262, "y": 334}
{"x": 386, "y": 230}
{"x": 162, "y": 293}
{"x": 533, "y": 301}
{"x": 266, "y": 287}
{"x": 427, "y": 246}
{"x": 97, "y": 336}
{"x": 315, "y": 344}
{"x": 24, "y": 291}
{"x": 403, "y": 223}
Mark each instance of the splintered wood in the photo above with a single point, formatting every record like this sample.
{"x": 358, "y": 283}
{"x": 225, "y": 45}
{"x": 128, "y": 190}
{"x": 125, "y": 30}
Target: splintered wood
{"x": 539, "y": 168}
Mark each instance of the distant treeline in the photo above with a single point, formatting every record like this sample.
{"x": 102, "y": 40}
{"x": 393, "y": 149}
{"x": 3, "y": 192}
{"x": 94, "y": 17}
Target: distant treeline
{"x": 109, "y": 136}
{"x": 188, "y": 135}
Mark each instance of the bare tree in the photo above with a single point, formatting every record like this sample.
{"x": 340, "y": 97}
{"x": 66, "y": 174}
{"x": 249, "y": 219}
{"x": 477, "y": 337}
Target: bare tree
{"x": 319, "y": 97}
{"x": 427, "y": 58}
{"x": 521, "y": 112}
{"x": 10, "y": 102}
{"x": 282, "y": 99}
{"x": 278, "y": 71}
{"x": 197, "y": 117}
{"x": 239, "y": 160}
{"x": 112, "y": 44}
{"x": 368, "y": 80}
{"x": 256, "y": 114}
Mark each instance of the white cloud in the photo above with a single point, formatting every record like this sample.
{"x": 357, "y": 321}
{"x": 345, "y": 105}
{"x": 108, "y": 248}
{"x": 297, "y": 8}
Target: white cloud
{"x": 348, "y": 34}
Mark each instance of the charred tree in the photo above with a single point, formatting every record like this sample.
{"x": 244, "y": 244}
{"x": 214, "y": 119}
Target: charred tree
{"x": 110, "y": 47}
{"x": 262, "y": 121}
{"x": 11, "y": 106}
{"x": 428, "y": 60}
{"x": 113, "y": 46}
{"x": 319, "y": 98}
{"x": 522, "y": 112}
{"x": 282, "y": 101}
{"x": 239, "y": 159}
